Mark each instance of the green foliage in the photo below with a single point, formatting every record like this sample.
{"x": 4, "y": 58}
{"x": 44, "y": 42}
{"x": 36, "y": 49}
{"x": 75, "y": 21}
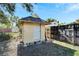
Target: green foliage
{"x": 18, "y": 24}
{"x": 2, "y": 15}
{"x": 4, "y": 22}
{"x": 14, "y": 20}
{"x": 76, "y": 53}
{"x": 4, "y": 36}
{"x": 51, "y": 20}
{"x": 3, "y": 25}
{"x": 28, "y": 7}
{"x": 9, "y": 9}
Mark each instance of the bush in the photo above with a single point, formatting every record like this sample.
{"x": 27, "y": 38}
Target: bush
{"x": 4, "y": 36}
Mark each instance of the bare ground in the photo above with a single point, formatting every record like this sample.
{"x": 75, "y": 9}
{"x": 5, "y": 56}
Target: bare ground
{"x": 57, "y": 48}
{"x": 9, "y": 48}
{"x": 46, "y": 49}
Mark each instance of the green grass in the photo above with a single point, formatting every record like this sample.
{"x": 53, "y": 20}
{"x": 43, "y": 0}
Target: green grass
{"x": 76, "y": 53}
{"x": 70, "y": 46}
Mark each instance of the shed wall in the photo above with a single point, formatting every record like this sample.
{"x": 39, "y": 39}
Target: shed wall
{"x": 28, "y": 32}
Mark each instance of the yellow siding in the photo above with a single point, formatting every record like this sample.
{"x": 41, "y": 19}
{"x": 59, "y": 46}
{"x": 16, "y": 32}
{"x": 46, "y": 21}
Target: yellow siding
{"x": 28, "y": 32}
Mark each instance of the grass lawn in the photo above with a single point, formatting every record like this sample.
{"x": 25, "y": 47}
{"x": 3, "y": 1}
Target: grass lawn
{"x": 70, "y": 46}
{"x": 49, "y": 49}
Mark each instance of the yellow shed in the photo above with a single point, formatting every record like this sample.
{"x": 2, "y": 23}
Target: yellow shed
{"x": 33, "y": 29}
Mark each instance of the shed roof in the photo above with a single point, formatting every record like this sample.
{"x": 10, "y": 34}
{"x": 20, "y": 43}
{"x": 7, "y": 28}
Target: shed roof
{"x": 74, "y": 23}
{"x": 33, "y": 19}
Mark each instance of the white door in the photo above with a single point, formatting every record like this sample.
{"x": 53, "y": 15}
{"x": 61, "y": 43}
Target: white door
{"x": 36, "y": 33}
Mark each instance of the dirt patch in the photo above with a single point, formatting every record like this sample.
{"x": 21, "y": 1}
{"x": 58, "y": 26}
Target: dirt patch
{"x": 45, "y": 49}
{"x": 9, "y": 47}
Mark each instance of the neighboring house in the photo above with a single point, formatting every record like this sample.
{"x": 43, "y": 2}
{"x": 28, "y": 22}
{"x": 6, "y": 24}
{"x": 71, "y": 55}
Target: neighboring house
{"x": 48, "y": 29}
{"x": 54, "y": 23}
{"x": 69, "y": 33}
{"x": 33, "y": 29}
{"x": 6, "y": 30}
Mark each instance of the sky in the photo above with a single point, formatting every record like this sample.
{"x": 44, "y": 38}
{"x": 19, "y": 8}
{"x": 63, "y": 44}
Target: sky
{"x": 62, "y": 12}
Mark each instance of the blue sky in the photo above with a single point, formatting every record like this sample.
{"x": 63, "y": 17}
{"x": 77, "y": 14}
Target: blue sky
{"x": 63, "y": 12}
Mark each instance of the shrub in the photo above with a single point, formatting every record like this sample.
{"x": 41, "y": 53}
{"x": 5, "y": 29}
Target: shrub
{"x": 4, "y": 36}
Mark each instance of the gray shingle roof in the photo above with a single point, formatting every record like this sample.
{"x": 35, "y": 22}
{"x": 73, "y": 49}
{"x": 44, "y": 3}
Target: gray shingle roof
{"x": 30, "y": 18}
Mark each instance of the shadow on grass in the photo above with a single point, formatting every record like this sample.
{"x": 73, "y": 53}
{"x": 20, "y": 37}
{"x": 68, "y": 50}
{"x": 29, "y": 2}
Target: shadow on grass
{"x": 44, "y": 49}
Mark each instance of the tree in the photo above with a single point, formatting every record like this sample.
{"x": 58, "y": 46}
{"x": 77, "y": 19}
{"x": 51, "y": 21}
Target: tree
{"x": 4, "y": 20}
{"x": 51, "y": 20}
{"x": 13, "y": 20}
{"x": 2, "y": 15}
{"x": 9, "y": 9}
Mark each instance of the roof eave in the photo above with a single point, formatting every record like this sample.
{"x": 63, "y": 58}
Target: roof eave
{"x": 34, "y": 22}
